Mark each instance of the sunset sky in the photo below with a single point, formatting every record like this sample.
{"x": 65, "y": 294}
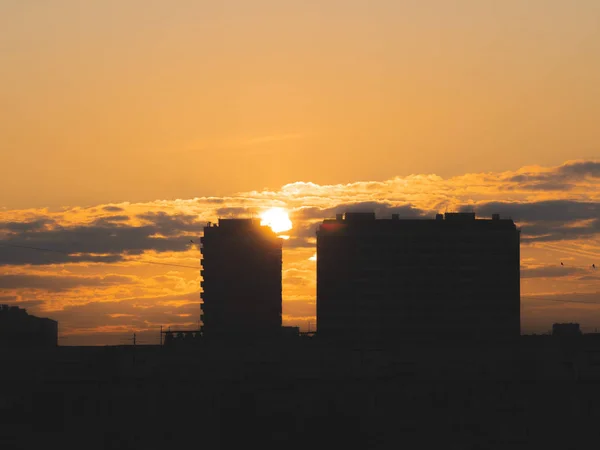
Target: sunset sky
{"x": 126, "y": 125}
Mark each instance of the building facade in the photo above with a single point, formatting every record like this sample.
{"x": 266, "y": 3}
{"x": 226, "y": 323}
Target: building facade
{"x": 241, "y": 271}
{"x": 18, "y": 329}
{"x": 385, "y": 280}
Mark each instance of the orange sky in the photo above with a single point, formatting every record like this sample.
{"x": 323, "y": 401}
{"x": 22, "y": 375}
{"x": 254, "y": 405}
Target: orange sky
{"x": 238, "y": 104}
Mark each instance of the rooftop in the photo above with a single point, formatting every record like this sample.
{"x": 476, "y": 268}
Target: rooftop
{"x": 458, "y": 220}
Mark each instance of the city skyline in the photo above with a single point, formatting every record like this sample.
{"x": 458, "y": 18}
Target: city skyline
{"x": 118, "y": 284}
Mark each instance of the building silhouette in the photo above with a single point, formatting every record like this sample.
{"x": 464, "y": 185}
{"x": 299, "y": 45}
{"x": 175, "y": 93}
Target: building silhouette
{"x": 566, "y": 329}
{"x": 241, "y": 271}
{"x": 21, "y": 330}
{"x": 385, "y": 280}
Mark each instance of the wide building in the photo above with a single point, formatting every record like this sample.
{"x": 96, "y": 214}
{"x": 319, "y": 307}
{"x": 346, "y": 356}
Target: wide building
{"x": 241, "y": 271}
{"x": 389, "y": 280}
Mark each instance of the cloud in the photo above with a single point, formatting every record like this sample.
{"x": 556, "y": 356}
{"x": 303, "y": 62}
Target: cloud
{"x": 110, "y": 220}
{"x": 111, "y": 208}
{"x": 234, "y": 212}
{"x": 136, "y": 313}
{"x": 170, "y": 225}
{"x": 549, "y": 220}
{"x": 581, "y": 169}
{"x": 549, "y": 210}
{"x": 102, "y": 241}
{"x": 551, "y": 272}
{"x": 557, "y": 178}
{"x": 546, "y": 232}
{"x": 55, "y": 283}
{"x": 543, "y": 186}
{"x": 27, "y": 226}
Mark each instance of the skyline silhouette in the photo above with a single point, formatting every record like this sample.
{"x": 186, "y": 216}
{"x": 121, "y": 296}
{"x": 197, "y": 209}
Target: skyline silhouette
{"x": 127, "y": 269}
{"x": 152, "y": 335}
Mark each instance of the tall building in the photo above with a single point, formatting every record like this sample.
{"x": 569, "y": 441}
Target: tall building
{"x": 19, "y": 329}
{"x": 241, "y": 271}
{"x": 385, "y": 280}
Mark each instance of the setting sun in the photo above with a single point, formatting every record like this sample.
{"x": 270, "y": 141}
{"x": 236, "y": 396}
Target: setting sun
{"x": 277, "y": 218}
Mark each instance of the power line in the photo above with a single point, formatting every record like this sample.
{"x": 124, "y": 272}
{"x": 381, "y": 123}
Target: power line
{"x": 168, "y": 264}
{"x": 35, "y": 248}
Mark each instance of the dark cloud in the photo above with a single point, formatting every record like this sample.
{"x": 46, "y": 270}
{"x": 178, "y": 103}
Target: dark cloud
{"x": 559, "y": 177}
{"x": 212, "y": 200}
{"x": 100, "y": 242}
{"x": 33, "y": 225}
{"x": 302, "y": 231}
{"x": 543, "y": 186}
{"x": 550, "y": 210}
{"x": 37, "y": 256}
{"x": 382, "y": 210}
{"x": 555, "y": 231}
{"x": 109, "y": 220}
{"x": 549, "y": 220}
{"x": 581, "y": 169}
{"x": 112, "y": 208}
{"x": 169, "y": 225}
{"x": 56, "y": 283}
{"x": 234, "y": 211}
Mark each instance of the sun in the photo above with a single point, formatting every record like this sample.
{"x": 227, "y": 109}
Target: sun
{"x": 277, "y": 218}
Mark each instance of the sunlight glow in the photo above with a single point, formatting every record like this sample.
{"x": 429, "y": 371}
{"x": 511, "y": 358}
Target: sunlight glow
{"x": 277, "y": 218}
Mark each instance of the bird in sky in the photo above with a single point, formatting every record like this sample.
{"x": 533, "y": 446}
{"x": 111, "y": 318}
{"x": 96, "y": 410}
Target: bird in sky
{"x": 191, "y": 241}
{"x": 561, "y": 263}
{"x": 594, "y": 266}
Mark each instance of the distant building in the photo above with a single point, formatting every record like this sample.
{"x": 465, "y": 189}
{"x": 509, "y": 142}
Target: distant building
{"x": 19, "y": 329}
{"x": 385, "y": 280}
{"x": 180, "y": 338}
{"x": 566, "y": 329}
{"x": 241, "y": 271}
{"x": 290, "y": 332}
